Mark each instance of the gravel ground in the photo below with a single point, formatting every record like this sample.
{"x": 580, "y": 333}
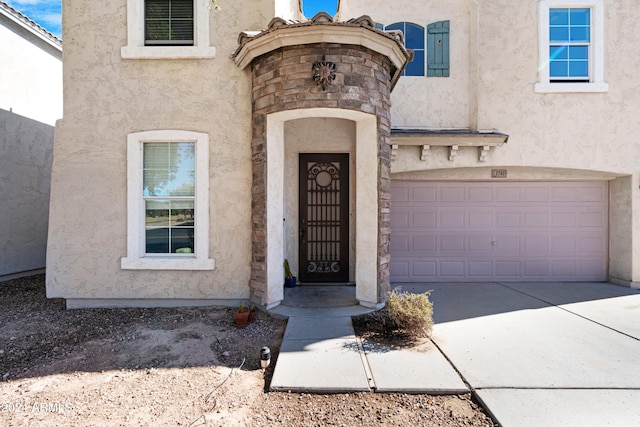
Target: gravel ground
{"x": 179, "y": 366}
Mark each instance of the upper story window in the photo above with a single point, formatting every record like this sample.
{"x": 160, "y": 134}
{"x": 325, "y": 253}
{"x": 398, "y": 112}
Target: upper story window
{"x": 167, "y": 201}
{"x": 571, "y": 40}
{"x": 168, "y": 22}
{"x": 168, "y": 29}
{"x": 569, "y": 44}
{"x": 413, "y": 40}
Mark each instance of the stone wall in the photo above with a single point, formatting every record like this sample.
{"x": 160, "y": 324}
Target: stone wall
{"x": 283, "y": 80}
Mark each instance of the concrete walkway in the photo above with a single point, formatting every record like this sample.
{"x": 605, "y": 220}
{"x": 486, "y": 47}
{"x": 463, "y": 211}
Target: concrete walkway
{"x": 538, "y": 354}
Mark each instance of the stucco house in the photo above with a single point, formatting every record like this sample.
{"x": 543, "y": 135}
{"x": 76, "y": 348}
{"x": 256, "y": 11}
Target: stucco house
{"x": 30, "y": 103}
{"x": 405, "y": 141}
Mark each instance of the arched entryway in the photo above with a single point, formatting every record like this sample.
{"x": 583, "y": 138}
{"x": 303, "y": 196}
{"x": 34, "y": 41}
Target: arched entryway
{"x": 321, "y": 88}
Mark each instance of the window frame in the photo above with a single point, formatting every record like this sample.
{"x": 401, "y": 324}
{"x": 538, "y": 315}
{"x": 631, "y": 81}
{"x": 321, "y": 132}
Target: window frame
{"x": 596, "y": 49}
{"x": 171, "y": 19}
{"x": 136, "y": 258}
{"x": 136, "y": 48}
{"x": 423, "y": 49}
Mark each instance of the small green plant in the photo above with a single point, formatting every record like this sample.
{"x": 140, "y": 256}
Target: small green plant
{"x": 242, "y": 308}
{"x": 287, "y": 270}
{"x": 411, "y": 313}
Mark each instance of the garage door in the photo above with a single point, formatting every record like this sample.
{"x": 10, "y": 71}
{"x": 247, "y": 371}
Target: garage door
{"x": 512, "y": 231}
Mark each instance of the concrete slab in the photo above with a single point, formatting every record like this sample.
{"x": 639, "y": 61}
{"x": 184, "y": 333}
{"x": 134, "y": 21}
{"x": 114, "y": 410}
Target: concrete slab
{"x": 539, "y": 348}
{"x": 567, "y": 408}
{"x": 422, "y": 369}
{"x": 319, "y": 355}
{"x": 320, "y": 366}
{"x": 614, "y": 306}
{"x": 312, "y": 328}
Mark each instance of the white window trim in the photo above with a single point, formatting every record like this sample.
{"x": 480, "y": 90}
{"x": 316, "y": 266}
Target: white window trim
{"x": 135, "y": 48}
{"x": 596, "y": 54}
{"x": 136, "y": 258}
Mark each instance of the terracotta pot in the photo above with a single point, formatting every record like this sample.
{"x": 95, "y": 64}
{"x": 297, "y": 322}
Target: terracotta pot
{"x": 241, "y": 319}
{"x": 252, "y": 316}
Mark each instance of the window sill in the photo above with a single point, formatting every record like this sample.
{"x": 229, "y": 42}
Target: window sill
{"x": 167, "y": 263}
{"x": 167, "y": 52}
{"x": 571, "y": 87}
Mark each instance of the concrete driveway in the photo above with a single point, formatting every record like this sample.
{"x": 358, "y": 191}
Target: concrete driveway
{"x": 544, "y": 354}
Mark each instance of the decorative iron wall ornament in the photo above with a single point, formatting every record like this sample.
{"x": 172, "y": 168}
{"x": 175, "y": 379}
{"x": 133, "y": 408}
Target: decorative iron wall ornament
{"x": 324, "y": 72}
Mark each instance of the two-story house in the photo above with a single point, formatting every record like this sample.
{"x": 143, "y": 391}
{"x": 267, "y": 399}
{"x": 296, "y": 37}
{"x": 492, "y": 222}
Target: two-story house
{"x": 393, "y": 142}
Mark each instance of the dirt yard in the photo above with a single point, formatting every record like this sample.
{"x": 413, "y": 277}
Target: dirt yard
{"x": 164, "y": 367}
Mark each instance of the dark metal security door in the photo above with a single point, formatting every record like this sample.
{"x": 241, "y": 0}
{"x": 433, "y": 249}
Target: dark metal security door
{"x": 324, "y": 218}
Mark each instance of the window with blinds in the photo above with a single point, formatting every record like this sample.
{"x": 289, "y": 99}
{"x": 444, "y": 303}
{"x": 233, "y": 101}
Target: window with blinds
{"x": 169, "y": 196}
{"x": 169, "y": 22}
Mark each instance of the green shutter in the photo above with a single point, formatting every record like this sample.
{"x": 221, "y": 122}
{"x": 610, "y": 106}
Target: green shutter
{"x": 438, "y": 49}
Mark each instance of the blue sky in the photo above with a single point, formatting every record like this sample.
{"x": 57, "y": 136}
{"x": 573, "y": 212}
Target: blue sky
{"x": 48, "y": 13}
{"x": 311, "y": 7}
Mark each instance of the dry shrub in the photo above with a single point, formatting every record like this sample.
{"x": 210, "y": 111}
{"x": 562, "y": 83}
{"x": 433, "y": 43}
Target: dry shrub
{"x": 411, "y": 313}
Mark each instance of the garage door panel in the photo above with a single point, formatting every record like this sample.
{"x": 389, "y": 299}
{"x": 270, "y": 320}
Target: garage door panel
{"x": 563, "y": 193}
{"x": 596, "y": 193}
{"x": 424, "y": 269}
{"x": 424, "y": 245}
{"x": 508, "y": 219}
{"x": 423, "y": 194}
{"x": 480, "y": 269}
{"x": 591, "y": 219}
{"x": 424, "y": 218}
{"x": 563, "y": 245}
{"x": 595, "y": 244}
{"x": 451, "y": 218}
{"x": 533, "y": 269}
{"x": 536, "y": 245}
{"x": 563, "y": 219}
{"x": 452, "y": 193}
{"x": 508, "y": 194}
{"x": 400, "y": 218}
{"x": 479, "y": 243}
{"x": 590, "y": 268}
{"x": 400, "y": 245}
{"x": 400, "y": 193}
{"x": 499, "y": 231}
{"x": 539, "y": 194}
{"x": 452, "y": 269}
{"x": 507, "y": 244}
{"x": 481, "y": 193}
{"x": 562, "y": 269}
{"x": 480, "y": 218}
{"x": 400, "y": 270}
{"x": 448, "y": 244}
{"x": 537, "y": 218}
{"x": 508, "y": 269}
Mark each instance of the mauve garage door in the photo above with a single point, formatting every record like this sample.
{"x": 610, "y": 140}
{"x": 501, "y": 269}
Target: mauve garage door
{"x": 487, "y": 231}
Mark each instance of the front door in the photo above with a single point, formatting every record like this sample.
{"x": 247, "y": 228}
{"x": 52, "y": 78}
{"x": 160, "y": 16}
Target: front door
{"x": 324, "y": 218}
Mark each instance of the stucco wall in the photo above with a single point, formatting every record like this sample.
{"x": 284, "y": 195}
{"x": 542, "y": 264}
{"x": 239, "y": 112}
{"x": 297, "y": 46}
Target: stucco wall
{"x": 25, "y": 171}
{"x": 434, "y": 101}
{"x": 32, "y": 85}
{"x": 106, "y": 98}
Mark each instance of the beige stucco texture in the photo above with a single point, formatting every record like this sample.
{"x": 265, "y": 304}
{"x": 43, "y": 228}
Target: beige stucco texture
{"x": 107, "y": 98}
